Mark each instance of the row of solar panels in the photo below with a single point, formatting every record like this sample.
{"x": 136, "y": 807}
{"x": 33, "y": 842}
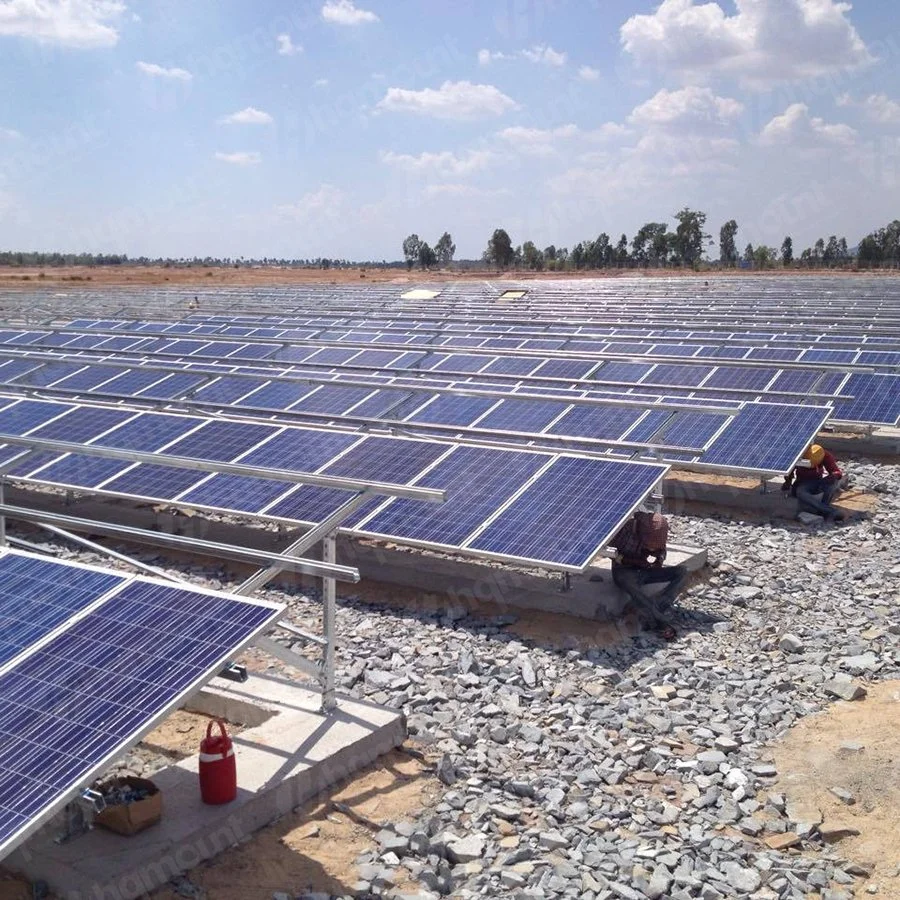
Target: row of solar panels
{"x": 835, "y": 349}
{"x": 876, "y": 397}
{"x": 763, "y": 438}
{"x": 691, "y": 341}
{"x": 522, "y": 506}
{"x": 90, "y": 660}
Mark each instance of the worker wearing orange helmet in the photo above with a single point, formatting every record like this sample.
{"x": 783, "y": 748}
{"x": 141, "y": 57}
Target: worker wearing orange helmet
{"x": 816, "y": 485}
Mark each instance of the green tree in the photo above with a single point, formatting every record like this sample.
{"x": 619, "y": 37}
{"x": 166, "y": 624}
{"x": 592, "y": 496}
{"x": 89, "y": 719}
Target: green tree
{"x": 500, "y": 250}
{"x": 749, "y": 254}
{"x": 532, "y": 257}
{"x": 622, "y": 251}
{"x": 650, "y": 246}
{"x": 787, "y": 251}
{"x": 764, "y": 257}
{"x": 728, "y": 255}
{"x": 445, "y": 249}
{"x": 818, "y": 253}
{"x": 689, "y": 236}
{"x": 411, "y": 246}
{"x": 427, "y": 257}
{"x": 577, "y": 256}
{"x": 830, "y": 255}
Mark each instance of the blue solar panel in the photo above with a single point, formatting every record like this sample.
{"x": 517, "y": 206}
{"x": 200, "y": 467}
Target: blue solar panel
{"x": 186, "y": 347}
{"x": 621, "y": 371}
{"x": 408, "y": 360}
{"x": 477, "y": 482}
{"x": 68, "y": 708}
{"x": 89, "y": 378}
{"x": 376, "y": 459}
{"x": 746, "y": 378}
{"x": 462, "y": 362}
{"x": 275, "y": 395}
{"x": 574, "y": 369}
{"x": 225, "y": 390}
{"x": 692, "y": 429}
{"x": 381, "y": 404}
{"x": 876, "y": 399}
{"x": 332, "y": 356}
{"x": 513, "y": 365}
{"x": 601, "y": 422}
{"x": 829, "y": 356}
{"x": 785, "y": 354}
{"x": 522, "y": 415}
{"x": 676, "y": 375}
{"x": 292, "y": 354}
{"x": 29, "y": 414}
{"x": 131, "y": 382}
{"x": 15, "y": 367}
{"x": 568, "y": 515}
{"x": 82, "y": 424}
{"x": 449, "y": 409}
{"x": 646, "y": 429}
{"x": 173, "y": 386}
{"x": 767, "y": 437}
{"x": 675, "y": 349}
{"x": 252, "y": 351}
{"x": 376, "y": 358}
{"x": 119, "y": 343}
{"x": 37, "y": 596}
{"x": 329, "y": 399}
{"x": 879, "y": 358}
{"x": 47, "y": 374}
{"x": 796, "y": 380}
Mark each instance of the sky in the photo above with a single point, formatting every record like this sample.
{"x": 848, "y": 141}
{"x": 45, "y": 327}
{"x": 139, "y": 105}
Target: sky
{"x": 306, "y": 128}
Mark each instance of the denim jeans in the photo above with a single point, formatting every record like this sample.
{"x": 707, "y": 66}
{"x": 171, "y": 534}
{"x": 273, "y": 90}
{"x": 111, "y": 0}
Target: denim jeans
{"x": 652, "y": 608}
{"x": 808, "y": 496}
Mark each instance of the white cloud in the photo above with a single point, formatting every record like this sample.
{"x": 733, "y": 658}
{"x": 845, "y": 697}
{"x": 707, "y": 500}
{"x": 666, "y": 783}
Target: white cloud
{"x": 442, "y": 165}
{"x": 248, "y": 116}
{"x": 324, "y": 203}
{"x": 796, "y": 127}
{"x": 764, "y": 42}
{"x": 464, "y": 190}
{"x": 10, "y": 134}
{"x": 458, "y": 100}
{"x": 539, "y": 53}
{"x": 345, "y": 12}
{"x": 286, "y": 46}
{"x": 543, "y": 53}
{"x": 71, "y": 23}
{"x": 155, "y": 71}
{"x": 241, "y": 158}
{"x": 878, "y": 108}
{"x": 538, "y": 141}
{"x": 588, "y": 73}
{"x": 320, "y": 82}
{"x": 690, "y": 108}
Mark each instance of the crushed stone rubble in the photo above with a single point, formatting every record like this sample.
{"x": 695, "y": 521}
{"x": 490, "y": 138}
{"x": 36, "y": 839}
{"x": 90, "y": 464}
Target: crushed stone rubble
{"x": 641, "y": 769}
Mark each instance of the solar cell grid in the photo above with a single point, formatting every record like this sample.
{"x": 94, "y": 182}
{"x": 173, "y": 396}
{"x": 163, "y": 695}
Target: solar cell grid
{"x": 449, "y": 409}
{"x": 46, "y": 374}
{"x": 274, "y": 395}
{"x": 600, "y": 422}
{"x": 579, "y": 504}
{"x": 477, "y": 481}
{"x": 331, "y": 400}
{"x": 746, "y": 378}
{"x": 522, "y": 415}
{"x": 664, "y": 374}
{"x": 512, "y": 365}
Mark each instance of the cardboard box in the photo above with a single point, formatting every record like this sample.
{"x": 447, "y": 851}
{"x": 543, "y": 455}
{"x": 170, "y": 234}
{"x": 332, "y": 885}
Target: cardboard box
{"x": 130, "y": 818}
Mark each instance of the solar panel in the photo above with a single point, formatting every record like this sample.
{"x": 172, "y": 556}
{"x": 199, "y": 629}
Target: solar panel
{"x": 225, "y": 390}
{"x": 37, "y": 596}
{"x": 462, "y": 362}
{"x": 569, "y": 514}
{"x": 785, "y": 354}
{"x": 381, "y": 404}
{"x": 375, "y": 459}
{"x": 275, "y": 395}
{"x": 876, "y": 399}
{"x": 621, "y": 371}
{"x": 522, "y": 415}
{"x": 132, "y": 381}
{"x": 677, "y": 375}
{"x": 173, "y": 386}
{"x": 71, "y": 705}
{"x": 692, "y": 429}
{"x": 477, "y": 481}
{"x": 601, "y": 422}
{"x": 766, "y": 437}
{"x": 47, "y": 373}
{"x": 745, "y": 378}
{"x": 450, "y": 409}
{"x": 252, "y": 351}
{"x": 795, "y": 380}
{"x": 575, "y": 369}
{"x": 330, "y": 399}
{"x": 22, "y": 417}
{"x": 512, "y": 365}
{"x": 647, "y": 427}
{"x": 82, "y": 424}
{"x": 829, "y": 356}
{"x": 88, "y": 378}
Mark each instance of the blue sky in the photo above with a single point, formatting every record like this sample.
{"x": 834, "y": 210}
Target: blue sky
{"x": 336, "y": 128}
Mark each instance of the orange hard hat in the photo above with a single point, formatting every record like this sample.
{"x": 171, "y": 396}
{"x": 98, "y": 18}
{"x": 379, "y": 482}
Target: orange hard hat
{"x": 815, "y": 454}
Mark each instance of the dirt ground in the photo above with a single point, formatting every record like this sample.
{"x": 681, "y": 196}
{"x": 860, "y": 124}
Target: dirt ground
{"x": 816, "y": 756}
{"x": 315, "y": 848}
{"x": 100, "y": 276}
{"x": 180, "y": 735}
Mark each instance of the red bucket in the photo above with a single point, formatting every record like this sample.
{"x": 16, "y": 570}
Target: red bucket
{"x": 218, "y": 773}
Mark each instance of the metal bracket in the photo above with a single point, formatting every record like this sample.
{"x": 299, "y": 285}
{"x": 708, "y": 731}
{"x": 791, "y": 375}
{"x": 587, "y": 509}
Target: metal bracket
{"x": 234, "y": 672}
{"x": 80, "y": 815}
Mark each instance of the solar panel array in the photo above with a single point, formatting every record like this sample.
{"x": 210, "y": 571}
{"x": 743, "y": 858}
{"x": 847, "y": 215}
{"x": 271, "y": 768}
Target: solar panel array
{"x": 421, "y": 401}
{"x": 90, "y": 661}
{"x": 337, "y": 453}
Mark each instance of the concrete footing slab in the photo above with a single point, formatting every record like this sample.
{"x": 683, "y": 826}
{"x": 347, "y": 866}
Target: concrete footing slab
{"x": 291, "y": 753}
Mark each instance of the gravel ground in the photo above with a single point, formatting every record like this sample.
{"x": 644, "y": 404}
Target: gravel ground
{"x": 639, "y": 770}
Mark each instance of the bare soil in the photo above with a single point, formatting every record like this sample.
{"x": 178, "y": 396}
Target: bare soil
{"x": 811, "y": 761}
{"x": 315, "y": 848}
{"x": 101, "y": 276}
{"x": 179, "y": 736}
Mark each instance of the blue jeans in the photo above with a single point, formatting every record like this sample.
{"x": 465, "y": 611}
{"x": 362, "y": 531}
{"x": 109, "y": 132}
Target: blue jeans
{"x": 652, "y": 608}
{"x": 808, "y": 493}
